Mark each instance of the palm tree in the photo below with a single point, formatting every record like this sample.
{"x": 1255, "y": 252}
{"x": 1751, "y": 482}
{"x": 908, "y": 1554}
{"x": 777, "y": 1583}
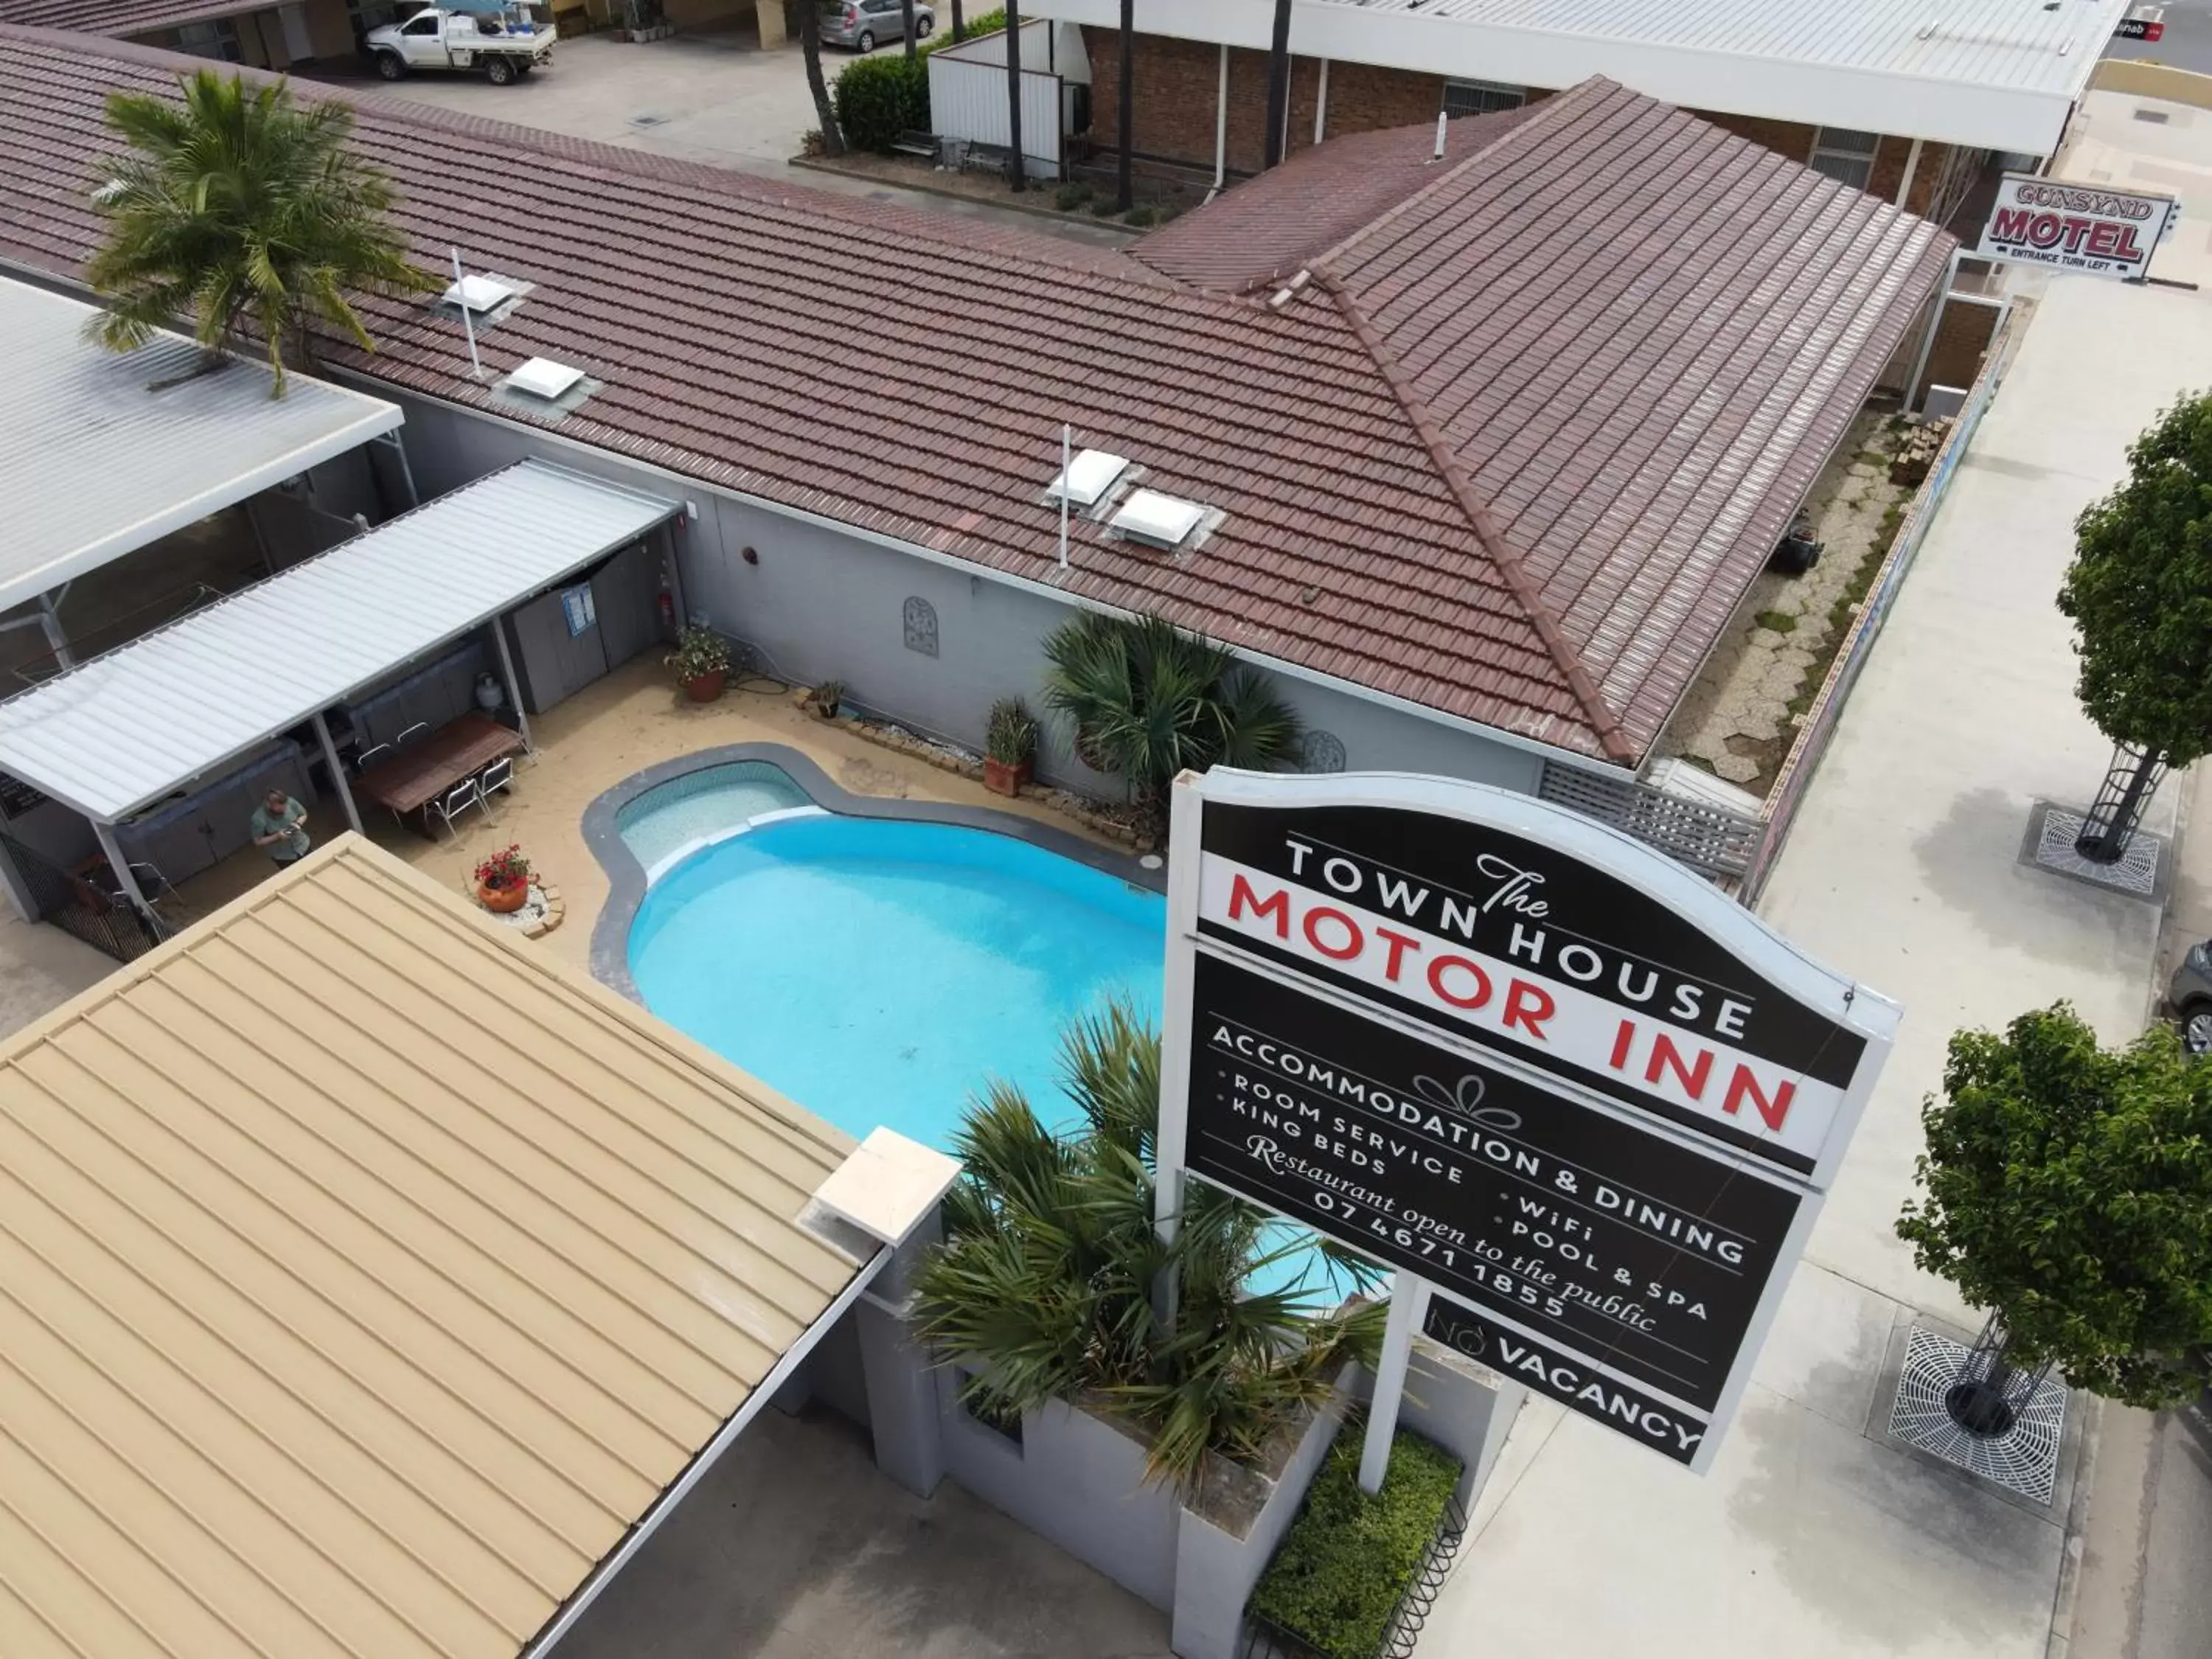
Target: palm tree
{"x": 1279, "y": 84}
{"x": 803, "y": 18}
{"x": 906, "y": 18}
{"x": 1148, "y": 701}
{"x": 1126, "y": 118}
{"x": 1044, "y": 1284}
{"x": 239, "y": 207}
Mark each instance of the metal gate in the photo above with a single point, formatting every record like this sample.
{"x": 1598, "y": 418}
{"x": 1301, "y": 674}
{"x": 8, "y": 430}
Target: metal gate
{"x": 76, "y": 906}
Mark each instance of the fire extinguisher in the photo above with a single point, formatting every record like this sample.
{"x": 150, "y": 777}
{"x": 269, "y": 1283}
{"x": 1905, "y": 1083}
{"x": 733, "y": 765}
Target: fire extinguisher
{"x": 667, "y": 611}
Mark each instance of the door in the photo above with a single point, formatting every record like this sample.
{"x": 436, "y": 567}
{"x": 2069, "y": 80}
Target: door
{"x": 299, "y": 45}
{"x": 419, "y": 42}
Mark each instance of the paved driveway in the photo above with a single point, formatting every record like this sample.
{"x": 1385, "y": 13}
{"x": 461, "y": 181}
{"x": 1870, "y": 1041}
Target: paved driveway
{"x": 793, "y": 1547}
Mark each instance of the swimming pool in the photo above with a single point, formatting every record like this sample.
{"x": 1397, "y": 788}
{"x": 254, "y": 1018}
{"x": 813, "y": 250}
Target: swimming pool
{"x": 879, "y": 970}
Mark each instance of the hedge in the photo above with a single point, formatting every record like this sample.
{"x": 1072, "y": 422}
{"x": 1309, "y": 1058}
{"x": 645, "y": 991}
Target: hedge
{"x": 1348, "y": 1557}
{"x": 877, "y": 99}
{"x": 991, "y": 22}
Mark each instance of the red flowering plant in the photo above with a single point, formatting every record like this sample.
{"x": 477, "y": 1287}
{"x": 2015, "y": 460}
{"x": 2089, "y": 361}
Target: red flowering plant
{"x": 504, "y": 869}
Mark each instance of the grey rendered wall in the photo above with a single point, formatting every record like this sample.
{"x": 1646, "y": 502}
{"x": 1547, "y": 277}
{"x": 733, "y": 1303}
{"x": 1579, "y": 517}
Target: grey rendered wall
{"x": 821, "y": 605}
{"x": 1076, "y": 1480}
{"x": 833, "y": 1371}
{"x": 1216, "y": 1569}
{"x": 1456, "y": 1403}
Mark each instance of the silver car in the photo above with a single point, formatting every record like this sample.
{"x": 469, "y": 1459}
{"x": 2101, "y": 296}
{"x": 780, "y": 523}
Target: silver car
{"x": 2190, "y": 996}
{"x": 861, "y": 24}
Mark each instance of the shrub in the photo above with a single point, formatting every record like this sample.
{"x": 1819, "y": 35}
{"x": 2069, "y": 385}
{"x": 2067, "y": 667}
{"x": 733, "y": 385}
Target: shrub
{"x": 1069, "y": 197}
{"x": 991, "y": 22}
{"x": 878, "y": 99}
{"x": 1042, "y": 1288}
{"x": 1349, "y": 1557}
{"x": 1142, "y": 217}
{"x": 699, "y": 651}
{"x": 1011, "y": 737}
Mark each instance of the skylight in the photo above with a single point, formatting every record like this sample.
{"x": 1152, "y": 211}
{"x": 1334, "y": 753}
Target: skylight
{"x": 1162, "y": 520}
{"x": 479, "y": 294}
{"x": 1088, "y": 476}
{"x": 541, "y": 377}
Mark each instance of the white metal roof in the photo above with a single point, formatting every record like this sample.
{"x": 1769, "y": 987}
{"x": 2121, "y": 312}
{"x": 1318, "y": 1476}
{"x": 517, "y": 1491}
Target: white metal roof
{"x": 125, "y": 728}
{"x": 1992, "y": 74}
{"x": 93, "y": 464}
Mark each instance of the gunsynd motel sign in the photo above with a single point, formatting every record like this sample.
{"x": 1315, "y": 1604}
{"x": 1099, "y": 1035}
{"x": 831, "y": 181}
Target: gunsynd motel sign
{"x": 2086, "y": 228}
{"x": 1587, "y": 1099}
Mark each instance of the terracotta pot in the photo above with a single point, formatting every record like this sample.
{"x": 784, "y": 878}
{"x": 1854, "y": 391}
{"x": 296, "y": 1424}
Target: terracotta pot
{"x": 1001, "y": 779}
{"x": 705, "y": 688}
{"x": 503, "y": 900}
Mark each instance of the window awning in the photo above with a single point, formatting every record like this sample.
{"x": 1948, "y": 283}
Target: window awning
{"x": 102, "y": 454}
{"x": 125, "y": 729}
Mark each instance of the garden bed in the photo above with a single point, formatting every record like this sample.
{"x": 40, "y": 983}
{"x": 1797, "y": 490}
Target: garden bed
{"x": 1351, "y": 1561}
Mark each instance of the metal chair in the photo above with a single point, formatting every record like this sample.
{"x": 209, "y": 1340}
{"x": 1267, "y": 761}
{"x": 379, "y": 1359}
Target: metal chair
{"x": 369, "y": 758}
{"x": 412, "y": 733}
{"x": 456, "y": 801}
{"x": 500, "y": 775}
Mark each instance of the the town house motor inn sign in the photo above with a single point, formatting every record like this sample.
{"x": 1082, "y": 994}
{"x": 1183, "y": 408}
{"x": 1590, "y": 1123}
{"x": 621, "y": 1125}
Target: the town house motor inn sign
{"x": 1561, "y": 1079}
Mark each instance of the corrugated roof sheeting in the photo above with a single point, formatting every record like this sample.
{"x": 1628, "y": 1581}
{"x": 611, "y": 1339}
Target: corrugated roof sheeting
{"x": 2014, "y": 43}
{"x": 95, "y": 463}
{"x": 363, "y": 1279}
{"x": 124, "y": 729}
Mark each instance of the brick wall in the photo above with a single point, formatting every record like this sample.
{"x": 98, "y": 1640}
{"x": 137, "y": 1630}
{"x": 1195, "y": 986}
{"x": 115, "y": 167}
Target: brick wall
{"x": 1960, "y": 339}
{"x": 1178, "y": 84}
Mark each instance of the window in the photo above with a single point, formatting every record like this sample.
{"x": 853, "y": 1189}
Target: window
{"x": 427, "y": 25}
{"x": 217, "y": 40}
{"x": 1844, "y": 155}
{"x": 1481, "y": 97}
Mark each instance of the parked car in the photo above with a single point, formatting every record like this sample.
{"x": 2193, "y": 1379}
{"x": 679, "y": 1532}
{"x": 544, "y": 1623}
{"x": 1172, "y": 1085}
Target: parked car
{"x": 501, "y": 43}
{"x": 2190, "y": 995}
{"x": 861, "y": 24}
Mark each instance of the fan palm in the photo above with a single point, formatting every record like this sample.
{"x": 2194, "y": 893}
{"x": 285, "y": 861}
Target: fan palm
{"x": 238, "y": 206}
{"x": 1148, "y": 700}
{"x": 1044, "y": 1282}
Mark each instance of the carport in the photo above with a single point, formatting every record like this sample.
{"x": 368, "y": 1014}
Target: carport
{"x": 372, "y": 1286}
{"x": 116, "y": 734}
{"x": 102, "y": 453}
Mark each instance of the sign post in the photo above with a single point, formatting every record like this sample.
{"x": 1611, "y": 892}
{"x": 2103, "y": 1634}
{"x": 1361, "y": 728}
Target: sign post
{"x": 1540, "y": 1069}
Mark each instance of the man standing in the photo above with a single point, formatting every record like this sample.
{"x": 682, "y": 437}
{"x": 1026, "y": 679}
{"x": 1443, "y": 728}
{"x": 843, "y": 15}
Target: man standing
{"x": 278, "y": 823}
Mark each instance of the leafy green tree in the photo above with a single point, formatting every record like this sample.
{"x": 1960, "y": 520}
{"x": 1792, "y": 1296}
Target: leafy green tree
{"x": 2140, "y": 593}
{"x": 1044, "y": 1282}
{"x": 1148, "y": 700}
{"x": 237, "y": 206}
{"x": 2069, "y": 1190}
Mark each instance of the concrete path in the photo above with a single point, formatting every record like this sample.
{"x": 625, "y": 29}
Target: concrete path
{"x": 1812, "y": 1537}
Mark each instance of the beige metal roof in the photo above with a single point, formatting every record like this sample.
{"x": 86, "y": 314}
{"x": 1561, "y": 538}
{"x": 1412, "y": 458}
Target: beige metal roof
{"x": 363, "y": 1279}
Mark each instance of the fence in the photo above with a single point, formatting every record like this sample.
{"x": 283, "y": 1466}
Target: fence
{"x": 1264, "y": 1640}
{"x": 967, "y": 97}
{"x": 1707, "y": 838}
{"x": 1820, "y": 726}
{"x": 76, "y": 906}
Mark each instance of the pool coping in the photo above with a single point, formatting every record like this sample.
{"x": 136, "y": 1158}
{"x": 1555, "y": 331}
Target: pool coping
{"x": 626, "y": 877}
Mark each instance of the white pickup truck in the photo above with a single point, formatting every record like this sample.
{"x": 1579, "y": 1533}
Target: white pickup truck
{"x": 502, "y": 44}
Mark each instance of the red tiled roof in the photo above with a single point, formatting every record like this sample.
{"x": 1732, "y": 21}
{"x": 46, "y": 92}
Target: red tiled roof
{"x": 1266, "y": 229}
{"x": 714, "y": 306}
{"x": 118, "y": 17}
{"x": 1635, "y": 336}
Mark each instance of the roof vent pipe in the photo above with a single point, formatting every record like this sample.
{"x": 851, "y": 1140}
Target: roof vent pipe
{"x": 1065, "y": 491}
{"x": 1441, "y": 117}
{"x": 468, "y": 323}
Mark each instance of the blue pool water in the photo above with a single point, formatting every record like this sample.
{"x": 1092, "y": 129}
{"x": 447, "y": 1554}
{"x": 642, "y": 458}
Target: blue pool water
{"x": 879, "y": 972}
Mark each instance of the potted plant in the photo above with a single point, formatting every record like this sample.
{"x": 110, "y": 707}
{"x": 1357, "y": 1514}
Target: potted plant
{"x": 503, "y": 881}
{"x": 1009, "y": 747}
{"x": 701, "y": 662}
{"x": 825, "y": 698}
